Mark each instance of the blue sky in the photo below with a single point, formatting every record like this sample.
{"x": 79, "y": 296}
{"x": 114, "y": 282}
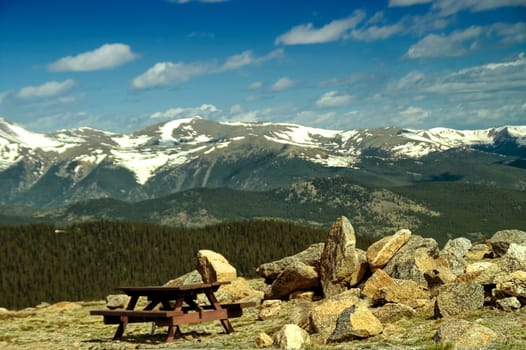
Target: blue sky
{"x": 123, "y": 65}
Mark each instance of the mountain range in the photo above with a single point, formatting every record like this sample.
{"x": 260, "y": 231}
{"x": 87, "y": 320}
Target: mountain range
{"x": 67, "y": 166}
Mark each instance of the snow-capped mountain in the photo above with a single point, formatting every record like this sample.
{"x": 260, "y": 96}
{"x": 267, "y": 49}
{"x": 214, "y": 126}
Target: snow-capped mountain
{"x": 72, "y": 165}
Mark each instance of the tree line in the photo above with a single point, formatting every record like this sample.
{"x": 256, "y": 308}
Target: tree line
{"x": 87, "y": 261}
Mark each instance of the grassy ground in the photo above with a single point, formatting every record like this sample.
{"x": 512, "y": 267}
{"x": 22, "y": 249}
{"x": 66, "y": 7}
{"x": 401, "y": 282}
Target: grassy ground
{"x": 69, "y": 326}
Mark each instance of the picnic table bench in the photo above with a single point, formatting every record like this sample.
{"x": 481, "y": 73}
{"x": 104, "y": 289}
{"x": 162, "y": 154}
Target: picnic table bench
{"x": 173, "y": 306}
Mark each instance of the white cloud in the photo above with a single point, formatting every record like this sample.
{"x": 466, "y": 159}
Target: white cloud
{"x": 255, "y": 85}
{"x": 236, "y": 109}
{"x": 105, "y": 57}
{"x": 374, "y": 32}
{"x": 510, "y": 33}
{"x": 395, "y": 3}
{"x": 450, "y": 7}
{"x": 169, "y": 73}
{"x": 307, "y": 34}
{"x": 333, "y": 99}
{"x": 48, "y": 89}
{"x": 238, "y": 61}
{"x": 282, "y": 84}
{"x": 205, "y": 111}
{"x": 412, "y": 116}
{"x": 457, "y": 43}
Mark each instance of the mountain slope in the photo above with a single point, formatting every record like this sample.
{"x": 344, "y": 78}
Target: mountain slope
{"x": 58, "y": 168}
{"x": 438, "y": 209}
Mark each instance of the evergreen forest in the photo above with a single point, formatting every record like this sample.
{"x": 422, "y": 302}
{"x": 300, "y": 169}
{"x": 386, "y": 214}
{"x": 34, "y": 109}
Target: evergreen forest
{"x": 87, "y": 261}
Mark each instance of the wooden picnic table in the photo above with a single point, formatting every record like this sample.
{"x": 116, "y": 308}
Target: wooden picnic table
{"x": 173, "y": 306}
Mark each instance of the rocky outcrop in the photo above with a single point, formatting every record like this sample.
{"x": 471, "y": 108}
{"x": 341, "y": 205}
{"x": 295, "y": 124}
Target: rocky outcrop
{"x": 413, "y": 260}
{"x": 310, "y": 256}
{"x": 296, "y": 276}
{"x": 464, "y": 335}
{"x": 214, "y": 267}
{"x": 501, "y": 240}
{"x": 339, "y": 258}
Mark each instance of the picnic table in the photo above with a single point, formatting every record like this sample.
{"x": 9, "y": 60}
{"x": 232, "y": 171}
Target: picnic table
{"x": 173, "y": 306}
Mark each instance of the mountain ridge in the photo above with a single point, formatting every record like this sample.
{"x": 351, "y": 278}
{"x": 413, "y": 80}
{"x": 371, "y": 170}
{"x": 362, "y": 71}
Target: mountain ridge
{"x": 65, "y": 166}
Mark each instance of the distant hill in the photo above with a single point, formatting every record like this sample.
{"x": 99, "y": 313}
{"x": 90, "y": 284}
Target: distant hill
{"x": 437, "y": 209}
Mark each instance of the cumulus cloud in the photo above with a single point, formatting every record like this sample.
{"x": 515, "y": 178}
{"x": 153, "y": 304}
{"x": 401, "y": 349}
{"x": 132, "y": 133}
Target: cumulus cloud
{"x": 48, "y": 89}
{"x": 457, "y": 43}
{"x": 307, "y": 34}
{"x": 170, "y": 73}
{"x": 205, "y": 111}
{"x": 282, "y": 84}
{"x": 105, "y": 57}
{"x": 333, "y": 99}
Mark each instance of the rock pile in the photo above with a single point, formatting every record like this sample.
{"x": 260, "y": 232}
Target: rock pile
{"x": 354, "y": 293}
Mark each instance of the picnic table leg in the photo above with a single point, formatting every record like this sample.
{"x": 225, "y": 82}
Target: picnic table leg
{"x": 124, "y": 319}
{"x": 217, "y": 306}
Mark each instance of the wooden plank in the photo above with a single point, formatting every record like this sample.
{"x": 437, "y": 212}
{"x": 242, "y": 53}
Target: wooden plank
{"x": 137, "y": 313}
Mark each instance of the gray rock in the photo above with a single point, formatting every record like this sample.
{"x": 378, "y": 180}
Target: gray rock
{"x": 188, "y": 278}
{"x": 457, "y": 298}
{"x": 117, "y": 301}
{"x": 501, "y": 240}
{"x": 457, "y": 247}
{"x": 310, "y": 256}
{"x": 464, "y": 335}
{"x": 339, "y": 259}
{"x": 392, "y": 312}
{"x": 509, "y": 304}
{"x": 413, "y": 260}
{"x": 296, "y": 276}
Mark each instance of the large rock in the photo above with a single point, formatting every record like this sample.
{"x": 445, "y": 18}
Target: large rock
{"x": 380, "y": 252}
{"x": 458, "y": 298}
{"x": 291, "y": 337}
{"x": 324, "y": 313}
{"x": 214, "y": 267}
{"x": 355, "y": 322}
{"x": 117, "y": 301}
{"x": 239, "y": 291}
{"x": 192, "y": 277}
{"x": 478, "y": 252}
{"x": 412, "y": 260}
{"x": 263, "y": 340}
{"x": 405, "y": 292}
{"x": 310, "y": 256}
{"x": 269, "y": 308}
{"x": 392, "y": 312}
{"x": 339, "y": 259}
{"x": 378, "y": 280}
{"x": 501, "y": 240}
{"x": 513, "y": 284}
{"x": 294, "y": 277}
{"x": 517, "y": 252}
{"x": 457, "y": 247}
{"x": 465, "y": 335}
